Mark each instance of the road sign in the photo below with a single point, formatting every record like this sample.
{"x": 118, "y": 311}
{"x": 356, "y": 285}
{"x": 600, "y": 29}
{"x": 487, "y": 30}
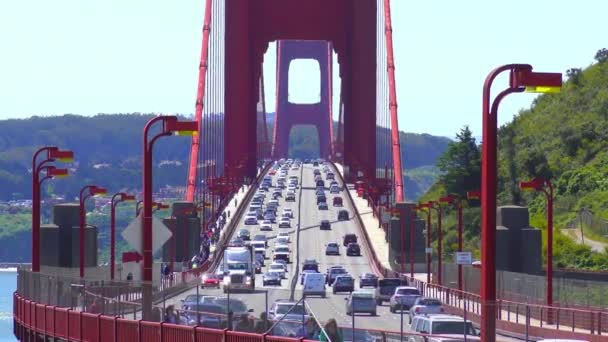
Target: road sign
{"x": 428, "y": 250}
{"x": 160, "y": 234}
{"x": 464, "y": 258}
{"x": 131, "y": 256}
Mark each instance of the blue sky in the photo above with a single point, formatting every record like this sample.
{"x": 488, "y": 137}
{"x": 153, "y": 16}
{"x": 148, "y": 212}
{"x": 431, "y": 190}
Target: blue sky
{"x": 87, "y": 57}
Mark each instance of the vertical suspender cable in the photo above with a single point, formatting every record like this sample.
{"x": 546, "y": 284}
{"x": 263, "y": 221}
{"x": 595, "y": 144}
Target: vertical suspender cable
{"x": 396, "y": 146}
{"x": 194, "y": 147}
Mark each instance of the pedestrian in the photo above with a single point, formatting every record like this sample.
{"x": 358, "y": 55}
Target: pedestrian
{"x": 245, "y": 324}
{"x": 310, "y": 330}
{"x": 331, "y": 332}
{"x": 235, "y": 202}
{"x": 228, "y": 213}
{"x": 95, "y": 307}
{"x": 262, "y": 325}
{"x": 170, "y": 315}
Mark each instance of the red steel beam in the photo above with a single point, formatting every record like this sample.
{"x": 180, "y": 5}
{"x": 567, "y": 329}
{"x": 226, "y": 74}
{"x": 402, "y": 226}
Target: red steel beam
{"x": 200, "y": 98}
{"x": 392, "y": 96}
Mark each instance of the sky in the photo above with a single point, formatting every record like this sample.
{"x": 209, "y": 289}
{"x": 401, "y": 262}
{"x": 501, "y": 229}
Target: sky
{"x": 115, "y": 56}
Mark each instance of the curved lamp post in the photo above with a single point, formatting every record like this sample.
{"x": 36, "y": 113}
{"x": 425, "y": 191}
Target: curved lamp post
{"x": 117, "y": 198}
{"x": 437, "y": 206}
{"x": 429, "y": 255}
{"x": 521, "y": 78}
{"x": 86, "y": 192}
{"x": 545, "y": 186}
{"x": 52, "y": 154}
{"x": 170, "y": 125}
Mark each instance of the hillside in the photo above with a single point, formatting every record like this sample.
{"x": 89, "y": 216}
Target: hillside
{"x": 563, "y": 137}
{"x": 108, "y": 153}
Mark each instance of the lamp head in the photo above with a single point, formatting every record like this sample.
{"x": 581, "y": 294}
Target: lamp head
{"x": 127, "y": 198}
{"x": 473, "y": 195}
{"x": 57, "y": 173}
{"x": 98, "y": 191}
{"x": 534, "y": 184}
{"x": 65, "y": 156}
{"x": 182, "y": 128}
{"x": 536, "y": 82}
{"x": 446, "y": 199}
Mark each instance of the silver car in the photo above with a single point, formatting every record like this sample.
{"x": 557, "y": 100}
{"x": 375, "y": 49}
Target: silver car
{"x": 403, "y": 298}
{"x": 424, "y": 306}
{"x": 361, "y": 301}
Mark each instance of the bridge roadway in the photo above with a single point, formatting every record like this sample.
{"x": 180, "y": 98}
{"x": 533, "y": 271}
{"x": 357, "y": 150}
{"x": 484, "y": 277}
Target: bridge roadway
{"x": 312, "y": 242}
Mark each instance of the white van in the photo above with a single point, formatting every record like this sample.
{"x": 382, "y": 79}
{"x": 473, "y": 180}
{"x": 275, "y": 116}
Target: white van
{"x": 314, "y": 284}
{"x": 259, "y": 247}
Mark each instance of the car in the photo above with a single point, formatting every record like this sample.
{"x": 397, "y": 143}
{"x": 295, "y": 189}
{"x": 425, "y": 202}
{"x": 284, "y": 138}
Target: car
{"x": 337, "y": 202}
{"x": 272, "y": 204}
{"x": 288, "y": 311}
{"x": 330, "y": 176}
{"x": 251, "y": 219}
{"x": 322, "y": 206}
{"x": 266, "y": 226}
{"x": 320, "y": 183}
{"x": 281, "y": 252}
{"x": 210, "y": 280}
{"x": 319, "y": 192}
{"x": 290, "y": 197}
{"x": 310, "y": 264}
{"x": 315, "y": 163}
{"x": 304, "y": 273}
{"x": 277, "y": 193}
{"x": 288, "y": 211}
{"x": 343, "y": 215}
{"x": 244, "y": 234}
{"x": 277, "y": 268}
{"x": 206, "y": 315}
{"x": 191, "y": 301}
{"x": 325, "y": 225}
{"x": 236, "y": 306}
{"x": 284, "y": 235}
{"x": 343, "y": 283}
{"x": 349, "y": 238}
{"x": 450, "y": 327}
{"x": 353, "y": 249}
{"x": 272, "y": 172}
{"x": 261, "y": 258}
{"x": 403, "y": 298}
{"x": 332, "y": 248}
{"x": 334, "y": 190}
{"x": 282, "y": 241}
{"x": 237, "y": 242}
{"x": 425, "y": 306}
{"x": 368, "y": 279}
{"x": 314, "y": 284}
{"x": 386, "y": 288}
{"x": 258, "y": 267}
{"x": 258, "y": 247}
{"x": 284, "y": 223}
{"x": 307, "y": 161}
{"x": 332, "y": 273}
{"x": 271, "y": 278}
{"x": 361, "y": 302}
{"x": 270, "y": 216}
{"x": 261, "y": 237}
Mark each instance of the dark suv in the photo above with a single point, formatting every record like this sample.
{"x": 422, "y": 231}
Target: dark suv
{"x": 343, "y": 215}
{"x": 353, "y": 249}
{"x": 321, "y": 198}
{"x": 348, "y": 238}
{"x": 325, "y": 225}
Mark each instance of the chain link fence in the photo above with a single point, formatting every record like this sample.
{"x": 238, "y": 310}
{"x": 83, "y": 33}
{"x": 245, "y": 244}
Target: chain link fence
{"x": 529, "y": 288}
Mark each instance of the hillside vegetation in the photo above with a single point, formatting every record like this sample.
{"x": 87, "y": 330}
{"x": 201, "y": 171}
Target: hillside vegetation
{"x": 108, "y": 150}
{"x": 562, "y": 137}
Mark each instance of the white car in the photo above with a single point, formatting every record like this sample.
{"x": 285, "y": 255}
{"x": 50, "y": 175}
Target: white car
{"x": 283, "y": 235}
{"x": 266, "y": 226}
{"x": 290, "y": 197}
{"x": 284, "y": 223}
{"x": 279, "y": 268}
{"x": 287, "y": 211}
{"x": 251, "y": 219}
{"x": 282, "y": 240}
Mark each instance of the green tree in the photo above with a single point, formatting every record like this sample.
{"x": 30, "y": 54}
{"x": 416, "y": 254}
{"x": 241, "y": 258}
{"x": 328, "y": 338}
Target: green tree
{"x": 601, "y": 55}
{"x": 461, "y": 164}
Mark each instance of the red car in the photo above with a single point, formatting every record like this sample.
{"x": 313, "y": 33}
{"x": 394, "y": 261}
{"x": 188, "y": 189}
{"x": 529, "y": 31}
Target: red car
{"x": 272, "y": 172}
{"x": 210, "y": 280}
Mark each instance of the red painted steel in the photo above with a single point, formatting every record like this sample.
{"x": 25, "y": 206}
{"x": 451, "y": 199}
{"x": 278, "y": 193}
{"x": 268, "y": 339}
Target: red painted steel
{"x": 74, "y": 327}
{"x": 107, "y": 326}
{"x": 396, "y": 145}
{"x": 209, "y": 335}
{"x": 488, "y": 202}
{"x": 150, "y": 331}
{"x": 200, "y": 102}
{"x": 90, "y": 327}
{"x": 290, "y": 114}
{"x": 127, "y": 330}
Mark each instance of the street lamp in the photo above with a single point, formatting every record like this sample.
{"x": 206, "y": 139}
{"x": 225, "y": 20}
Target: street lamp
{"x": 170, "y": 126}
{"x": 117, "y": 198}
{"x": 155, "y": 206}
{"x": 437, "y": 206}
{"x": 545, "y": 186}
{"x": 457, "y": 201}
{"x": 52, "y": 154}
{"x": 521, "y": 78}
{"x": 428, "y": 252}
{"x": 93, "y": 190}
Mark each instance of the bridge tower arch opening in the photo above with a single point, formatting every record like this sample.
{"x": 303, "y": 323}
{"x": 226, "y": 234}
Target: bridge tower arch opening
{"x": 304, "y": 142}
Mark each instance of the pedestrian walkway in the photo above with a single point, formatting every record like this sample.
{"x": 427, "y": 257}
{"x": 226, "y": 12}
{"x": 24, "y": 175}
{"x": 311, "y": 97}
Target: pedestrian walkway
{"x": 371, "y": 224}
